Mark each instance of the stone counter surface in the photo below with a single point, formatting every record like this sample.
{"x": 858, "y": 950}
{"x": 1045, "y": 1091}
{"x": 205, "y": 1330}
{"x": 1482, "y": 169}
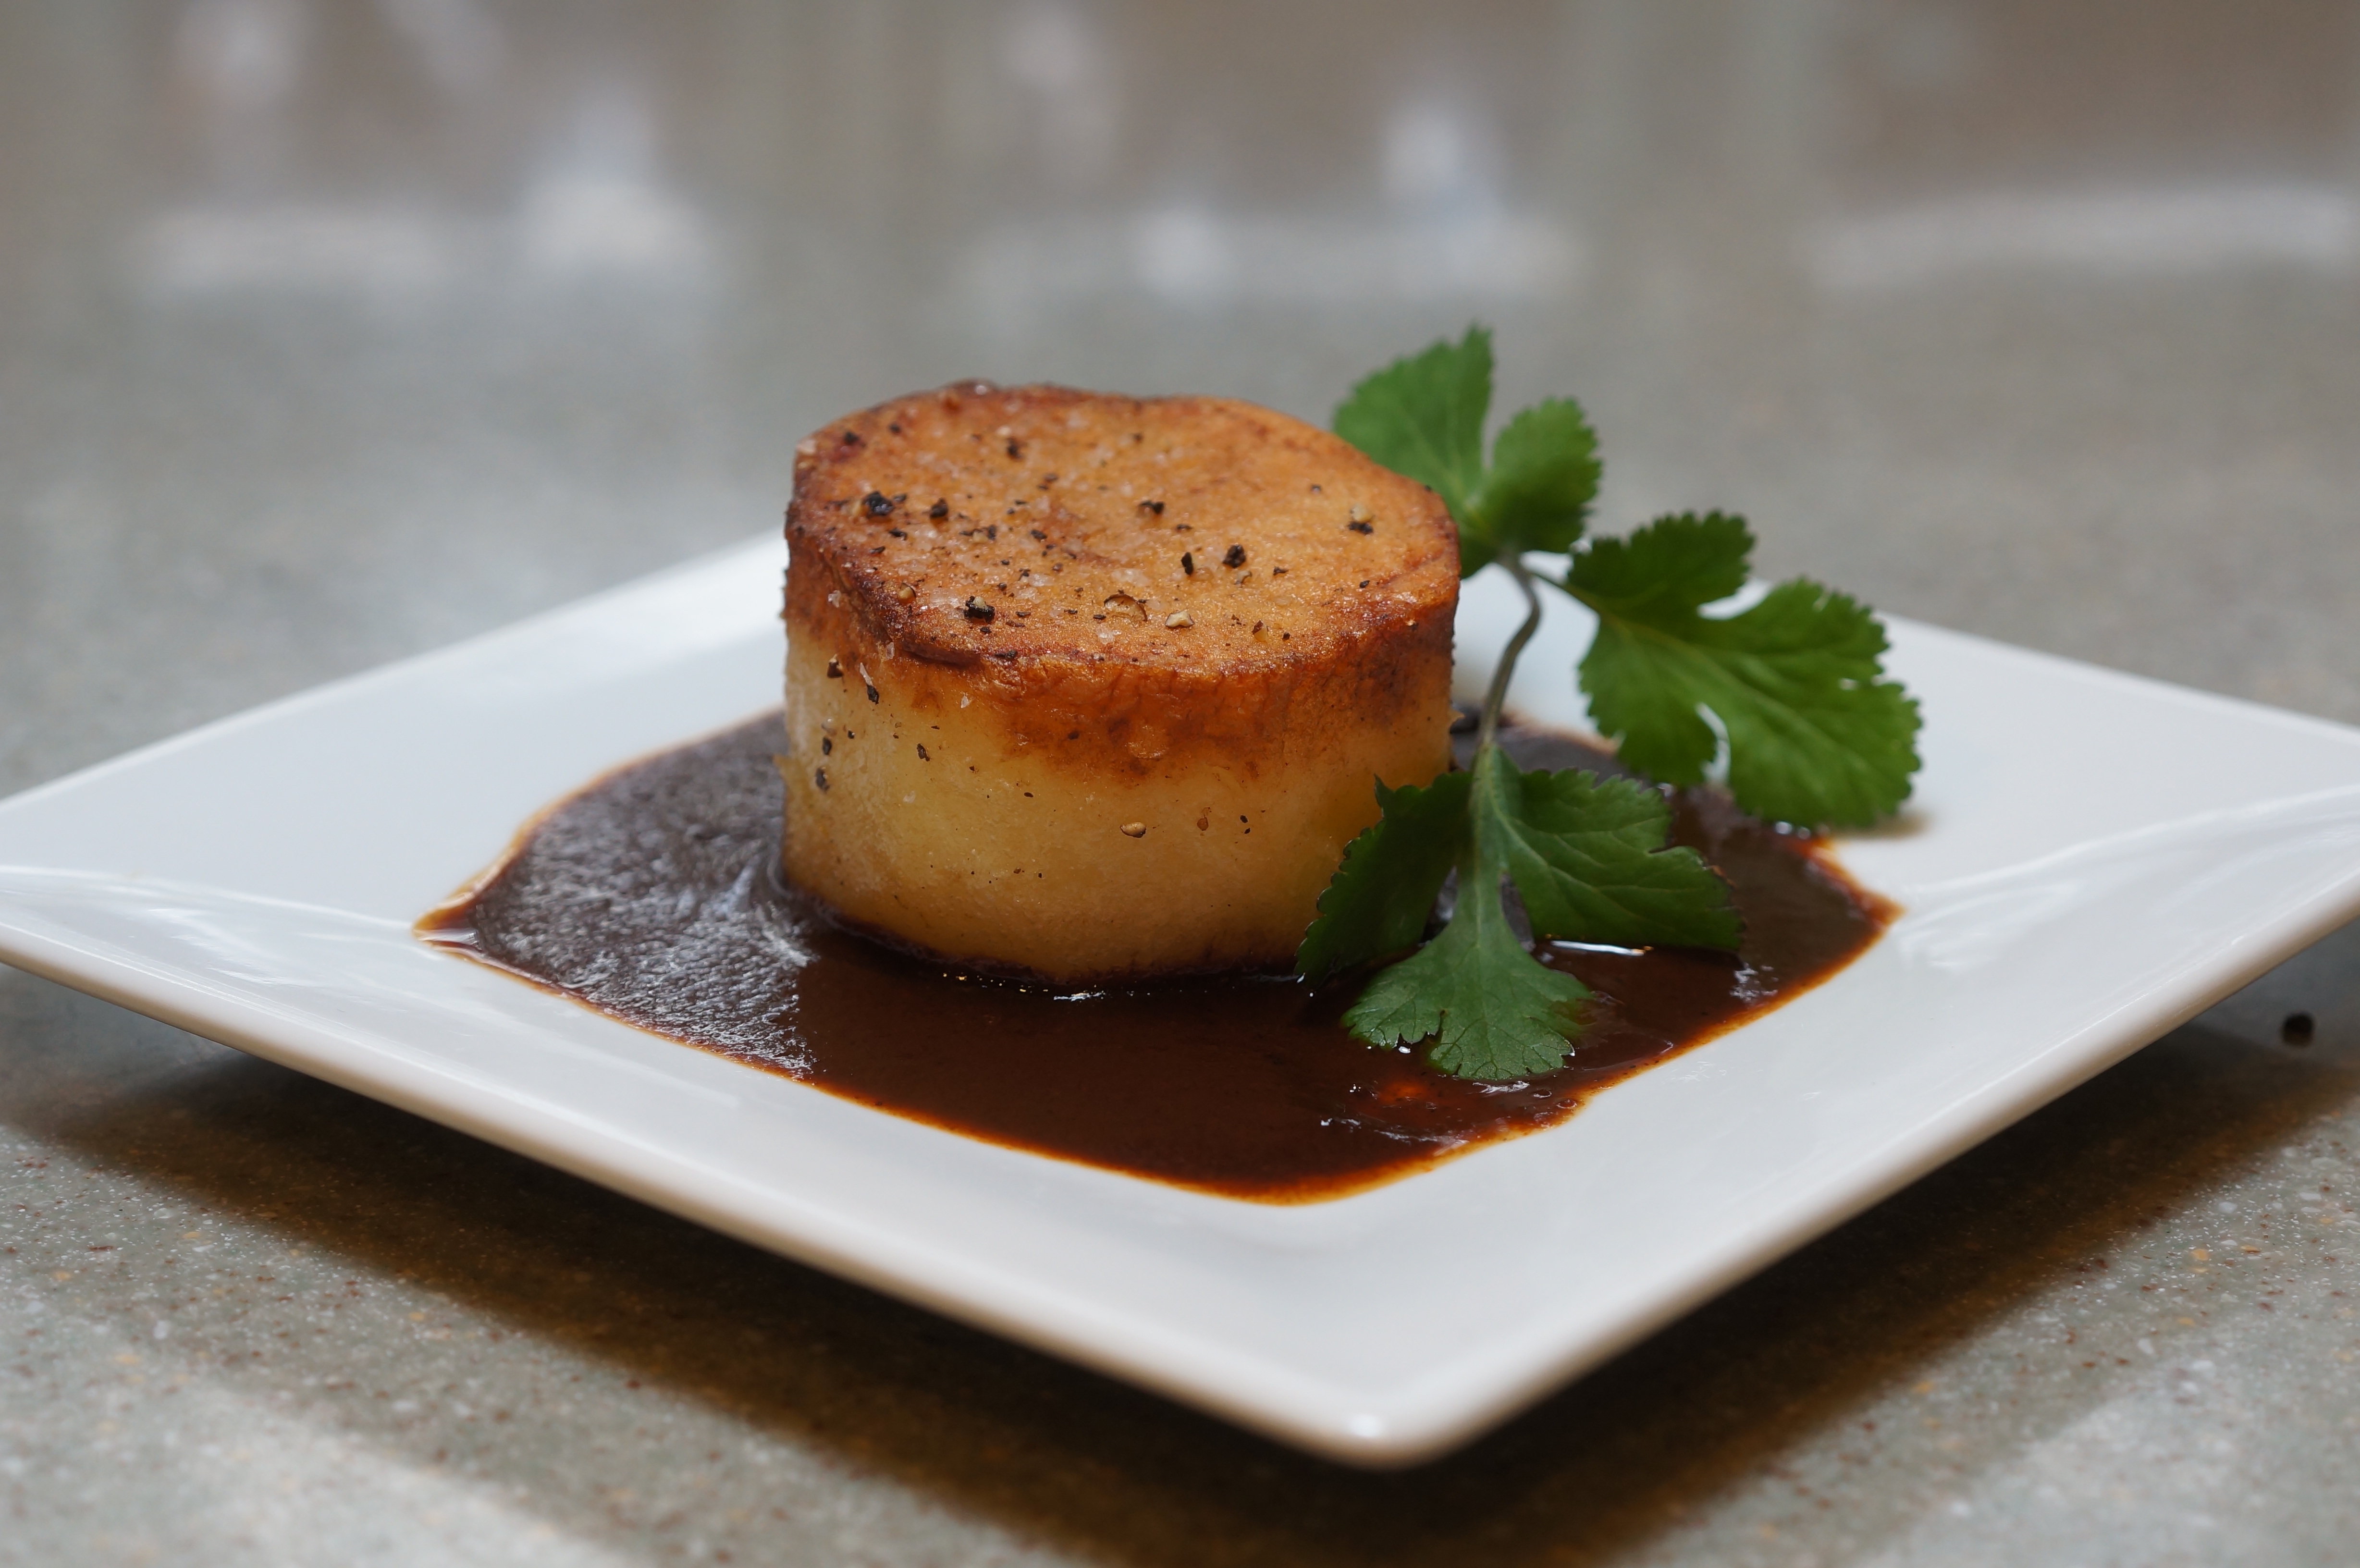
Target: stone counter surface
{"x": 330, "y": 333}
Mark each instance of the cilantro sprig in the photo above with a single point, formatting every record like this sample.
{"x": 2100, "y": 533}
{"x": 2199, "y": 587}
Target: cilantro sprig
{"x": 1811, "y": 731}
{"x": 1816, "y": 734}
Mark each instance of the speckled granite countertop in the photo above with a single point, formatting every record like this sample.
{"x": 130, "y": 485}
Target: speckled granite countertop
{"x": 332, "y": 333}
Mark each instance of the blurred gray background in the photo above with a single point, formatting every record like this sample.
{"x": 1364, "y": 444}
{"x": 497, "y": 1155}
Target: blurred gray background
{"x": 333, "y": 332}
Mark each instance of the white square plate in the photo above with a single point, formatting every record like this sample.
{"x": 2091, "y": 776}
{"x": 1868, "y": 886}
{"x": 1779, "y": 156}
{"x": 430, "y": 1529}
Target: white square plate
{"x": 2089, "y": 860}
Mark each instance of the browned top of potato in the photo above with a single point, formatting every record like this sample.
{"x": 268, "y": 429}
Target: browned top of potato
{"x": 1197, "y": 534}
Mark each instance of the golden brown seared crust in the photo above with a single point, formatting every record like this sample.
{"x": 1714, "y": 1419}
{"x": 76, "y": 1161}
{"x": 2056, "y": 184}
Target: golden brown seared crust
{"x": 1134, "y": 577}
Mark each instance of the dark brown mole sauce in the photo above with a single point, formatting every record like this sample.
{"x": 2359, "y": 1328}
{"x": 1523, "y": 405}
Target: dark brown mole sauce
{"x": 653, "y": 896}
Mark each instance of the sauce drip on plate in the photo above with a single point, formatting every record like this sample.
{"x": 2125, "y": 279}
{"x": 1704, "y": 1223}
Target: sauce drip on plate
{"x": 653, "y": 896}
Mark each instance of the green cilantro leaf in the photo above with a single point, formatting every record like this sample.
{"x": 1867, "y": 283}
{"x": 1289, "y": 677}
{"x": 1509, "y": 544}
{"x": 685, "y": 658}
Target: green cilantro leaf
{"x": 1816, "y": 734}
{"x": 1587, "y": 857}
{"x": 1384, "y": 892}
{"x": 1536, "y": 494}
{"x": 1422, "y": 415}
{"x": 1492, "y": 1009}
{"x": 1677, "y": 562}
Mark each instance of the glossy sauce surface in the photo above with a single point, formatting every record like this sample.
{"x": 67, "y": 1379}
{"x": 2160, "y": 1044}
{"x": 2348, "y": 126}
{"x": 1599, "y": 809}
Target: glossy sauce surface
{"x": 653, "y": 896}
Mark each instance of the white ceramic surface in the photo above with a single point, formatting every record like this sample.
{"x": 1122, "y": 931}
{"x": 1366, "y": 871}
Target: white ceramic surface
{"x": 2089, "y": 859}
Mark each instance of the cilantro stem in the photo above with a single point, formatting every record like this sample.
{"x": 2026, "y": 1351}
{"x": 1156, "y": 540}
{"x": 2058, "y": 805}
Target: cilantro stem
{"x": 1498, "y": 694}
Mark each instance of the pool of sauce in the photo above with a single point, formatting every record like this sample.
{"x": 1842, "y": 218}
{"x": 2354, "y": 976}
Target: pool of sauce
{"x": 653, "y": 896}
